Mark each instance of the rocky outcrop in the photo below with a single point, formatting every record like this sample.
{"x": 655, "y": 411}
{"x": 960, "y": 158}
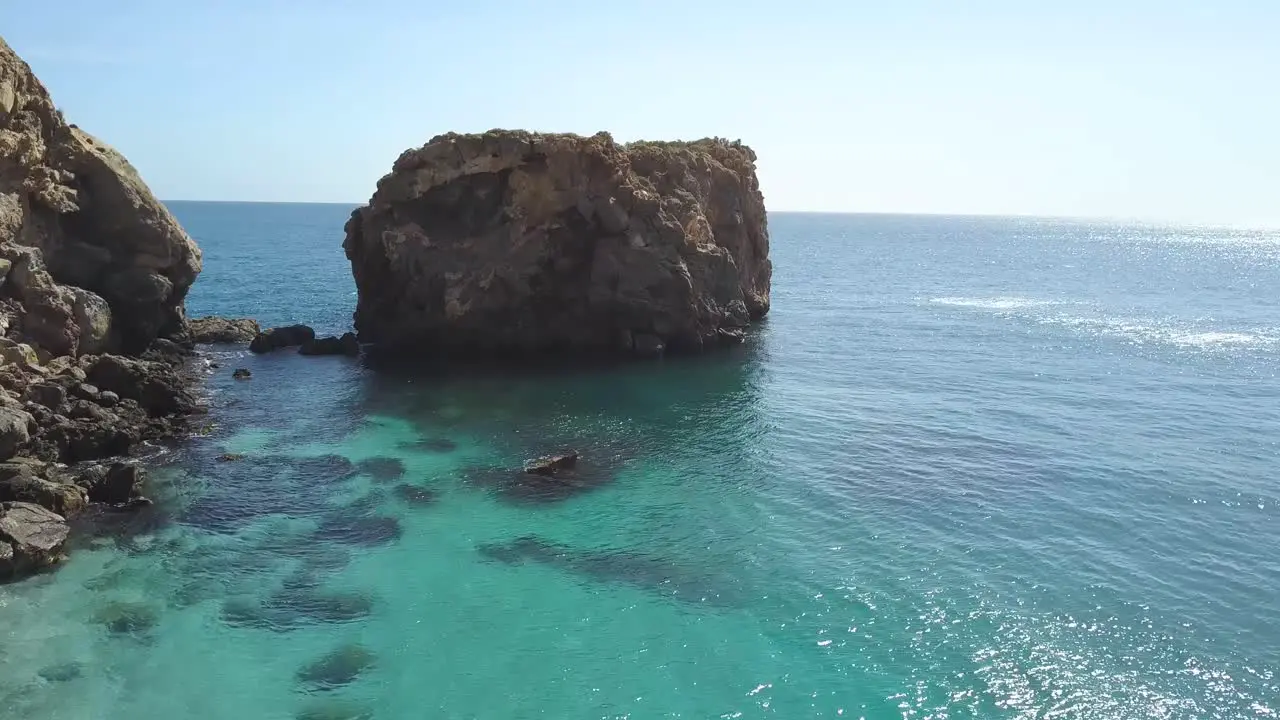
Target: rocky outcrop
{"x": 514, "y": 242}
{"x": 278, "y": 338}
{"x": 95, "y": 262}
{"x": 94, "y": 272}
{"x": 346, "y": 345}
{"x": 223, "y": 331}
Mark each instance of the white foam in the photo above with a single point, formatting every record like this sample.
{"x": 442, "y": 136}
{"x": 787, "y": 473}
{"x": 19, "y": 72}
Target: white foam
{"x": 1001, "y": 302}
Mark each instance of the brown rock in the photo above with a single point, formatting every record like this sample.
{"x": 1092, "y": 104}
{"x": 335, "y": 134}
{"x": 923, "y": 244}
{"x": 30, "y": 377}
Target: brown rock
{"x": 513, "y": 242}
{"x": 218, "y": 330}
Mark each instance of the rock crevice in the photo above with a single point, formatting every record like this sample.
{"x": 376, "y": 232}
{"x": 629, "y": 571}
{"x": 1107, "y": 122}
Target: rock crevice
{"x": 510, "y": 242}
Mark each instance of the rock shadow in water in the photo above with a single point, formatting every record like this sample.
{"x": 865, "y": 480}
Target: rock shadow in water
{"x": 295, "y": 607}
{"x": 381, "y": 469}
{"x": 61, "y": 672}
{"x": 640, "y": 570}
{"x": 359, "y": 524}
{"x": 415, "y": 496}
{"x": 320, "y": 470}
{"x": 127, "y": 618}
{"x": 338, "y": 668}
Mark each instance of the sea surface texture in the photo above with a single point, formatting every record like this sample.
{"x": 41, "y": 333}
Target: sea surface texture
{"x": 968, "y": 468}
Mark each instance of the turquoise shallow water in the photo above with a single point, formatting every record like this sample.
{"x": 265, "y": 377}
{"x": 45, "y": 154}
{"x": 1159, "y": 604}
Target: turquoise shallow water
{"x": 968, "y": 468}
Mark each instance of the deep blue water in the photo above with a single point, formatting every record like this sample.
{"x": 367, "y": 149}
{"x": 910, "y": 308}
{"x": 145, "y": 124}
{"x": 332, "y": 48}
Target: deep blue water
{"x": 968, "y": 467}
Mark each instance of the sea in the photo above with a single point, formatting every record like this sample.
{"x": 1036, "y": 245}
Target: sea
{"x": 968, "y": 467}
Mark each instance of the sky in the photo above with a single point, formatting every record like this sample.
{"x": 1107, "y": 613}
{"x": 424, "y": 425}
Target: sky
{"x": 1155, "y": 110}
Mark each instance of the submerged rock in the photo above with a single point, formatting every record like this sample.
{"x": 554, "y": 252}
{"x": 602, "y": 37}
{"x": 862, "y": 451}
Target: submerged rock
{"x": 351, "y": 528}
{"x": 638, "y": 569}
{"x": 223, "y": 331}
{"x": 511, "y": 241}
{"x": 335, "y": 710}
{"x": 338, "y": 668}
{"x": 547, "y": 480}
{"x": 281, "y": 337}
{"x": 382, "y": 469}
{"x": 128, "y": 618}
{"x": 31, "y": 538}
{"x": 431, "y": 445}
{"x": 414, "y": 495}
{"x": 241, "y": 374}
{"x": 63, "y": 672}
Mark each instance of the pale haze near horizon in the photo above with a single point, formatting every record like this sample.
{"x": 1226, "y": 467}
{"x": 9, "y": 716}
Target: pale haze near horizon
{"x": 1146, "y": 110}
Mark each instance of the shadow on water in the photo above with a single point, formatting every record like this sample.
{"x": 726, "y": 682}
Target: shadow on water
{"x": 627, "y": 567}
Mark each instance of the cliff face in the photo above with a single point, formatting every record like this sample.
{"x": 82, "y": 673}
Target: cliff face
{"x": 510, "y": 242}
{"x": 92, "y": 261}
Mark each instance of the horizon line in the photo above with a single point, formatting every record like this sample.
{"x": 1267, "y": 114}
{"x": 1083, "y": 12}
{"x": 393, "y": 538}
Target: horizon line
{"x": 1134, "y": 220}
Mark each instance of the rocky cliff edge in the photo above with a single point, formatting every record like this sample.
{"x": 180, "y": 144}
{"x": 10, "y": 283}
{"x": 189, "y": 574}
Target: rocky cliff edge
{"x": 90, "y": 264}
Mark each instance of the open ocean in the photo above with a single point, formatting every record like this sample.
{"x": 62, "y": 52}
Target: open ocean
{"x": 967, "y": 468}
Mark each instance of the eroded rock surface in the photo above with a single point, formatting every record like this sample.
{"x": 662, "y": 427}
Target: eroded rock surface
{"x": 510, "y": 241}
{"x": 95, "y": 262}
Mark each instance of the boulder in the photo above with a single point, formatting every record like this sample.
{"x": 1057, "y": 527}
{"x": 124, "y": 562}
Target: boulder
{"x": 25, "y": 480}
{"x": 48, "y": 394}
{"x": 34, "y": 536}
{"x": 345, "y": 345}
{"x": 156, "y": 386}
{"x": 115, "y": 484}
{"x": 281, "y": 337}
{"x": 511, "y": 242}
{"x": 17, "y": 353}
{"x": 228, "y": 331}
{"x": 14, "y": 429}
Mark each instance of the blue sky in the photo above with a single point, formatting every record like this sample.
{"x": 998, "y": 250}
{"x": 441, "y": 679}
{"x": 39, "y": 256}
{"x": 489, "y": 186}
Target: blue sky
{"x": 1155, "y": 110}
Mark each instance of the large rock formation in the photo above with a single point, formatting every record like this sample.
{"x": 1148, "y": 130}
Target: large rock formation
{"x": 513, "y": 242}
{"x": 93, "y": 261}
{"x": 90, "y": 264}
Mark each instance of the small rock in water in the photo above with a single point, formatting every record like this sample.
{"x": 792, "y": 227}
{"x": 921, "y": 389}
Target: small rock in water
{"x": 382, "y": 468}
{"x": 337, "y": 669}
{"x": 241, "y": 374}
{"x": 230, "y": 457}
{"x": 552, "y": 464}
{"x": 414, "y": 495}
{"x": 63, "y": 672}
